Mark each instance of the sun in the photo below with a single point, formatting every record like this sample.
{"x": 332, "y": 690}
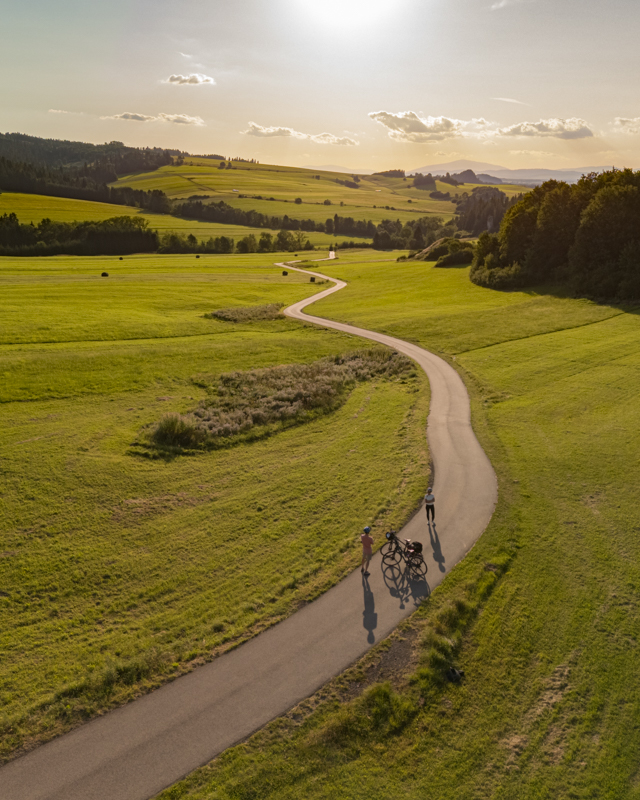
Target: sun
{"x": 343, "y": 14}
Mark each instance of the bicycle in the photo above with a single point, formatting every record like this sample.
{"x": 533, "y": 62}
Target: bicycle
{"x": 395, "y": 550}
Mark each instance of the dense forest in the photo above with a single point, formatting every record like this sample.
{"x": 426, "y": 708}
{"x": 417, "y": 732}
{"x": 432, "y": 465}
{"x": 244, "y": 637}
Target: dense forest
{"x": 585, "y": 236}
{"x": 101, "y": 162}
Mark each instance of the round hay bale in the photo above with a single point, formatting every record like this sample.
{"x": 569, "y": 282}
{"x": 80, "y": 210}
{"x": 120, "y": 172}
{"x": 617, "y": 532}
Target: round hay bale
{"x": 105, "y": 275}
{"x": 120, "y": 258}
{"x": 284, "y": 272}
{"x": 197, "y": 256}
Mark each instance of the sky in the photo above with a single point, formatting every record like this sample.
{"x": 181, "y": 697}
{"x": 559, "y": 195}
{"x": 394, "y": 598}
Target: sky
{"x": 365, "y": 84}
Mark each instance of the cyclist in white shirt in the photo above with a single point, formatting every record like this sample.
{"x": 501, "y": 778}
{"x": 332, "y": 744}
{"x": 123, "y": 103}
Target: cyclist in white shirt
{"x": 430, "y": 504}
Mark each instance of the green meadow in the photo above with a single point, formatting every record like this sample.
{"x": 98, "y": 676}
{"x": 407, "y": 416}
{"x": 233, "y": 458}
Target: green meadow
{"x": 377, "y": 197}
{"x": 119, "y": 571}
{"x": 543, "y": 615}
{"x": 35, "y": 207}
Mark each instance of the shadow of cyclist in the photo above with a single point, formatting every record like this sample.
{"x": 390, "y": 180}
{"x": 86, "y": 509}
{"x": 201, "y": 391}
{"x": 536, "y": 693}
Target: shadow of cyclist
{"x": 369, "y": 616}
{"x": 438, "y": 555}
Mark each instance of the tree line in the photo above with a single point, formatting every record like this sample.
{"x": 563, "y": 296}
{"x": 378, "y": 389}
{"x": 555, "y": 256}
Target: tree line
{"x": 20, "y": 176}
{"x": 111, "y": 158}
{"x": 585, "y": 236}
{"x": 224, "y": 213}
{"x": 115, "y": 236}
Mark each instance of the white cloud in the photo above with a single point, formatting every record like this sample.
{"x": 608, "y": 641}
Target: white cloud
{"x": 407, "y": 126}
{"x": 131, "y": 116}
{"x": 180, "y": 119}
{"x": 194, "y": 79}
{"x": 626, "y": 125}
{"x": 558, "y": 128}
{"x": 318, "y": 138}
{"x": 510, "y": 100}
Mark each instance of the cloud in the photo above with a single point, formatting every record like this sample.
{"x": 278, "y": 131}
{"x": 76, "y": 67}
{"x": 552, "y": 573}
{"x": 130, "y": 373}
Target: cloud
{"x": 407, "y": 126}
{"x": 131, "y": 116}
{"x": 558, "y": 128}
{"x": 318, "y": 138}
{"x": 180, "y": 119}
{"x": 510, "y": 100}
{"x": 530, "y": 153}
{"x": 626, "y": 125}
{"x": 194, "y": 79}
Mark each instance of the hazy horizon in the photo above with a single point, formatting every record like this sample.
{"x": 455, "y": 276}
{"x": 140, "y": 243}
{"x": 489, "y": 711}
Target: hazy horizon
{"x": 370, "y": 85}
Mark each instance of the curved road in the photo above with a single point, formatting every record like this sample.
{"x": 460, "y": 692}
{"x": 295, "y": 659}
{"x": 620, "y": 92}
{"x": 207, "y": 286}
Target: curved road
{"x": 134, "y": 752}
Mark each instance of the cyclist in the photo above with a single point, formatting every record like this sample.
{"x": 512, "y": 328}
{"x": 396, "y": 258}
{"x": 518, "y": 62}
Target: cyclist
{"x": 430, "y": 504}
{"x": 367, "y": 552}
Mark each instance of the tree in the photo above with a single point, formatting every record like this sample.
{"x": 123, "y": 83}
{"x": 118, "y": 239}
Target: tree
{"x": 247, "y": 244}
{"x": 265, "y": 245}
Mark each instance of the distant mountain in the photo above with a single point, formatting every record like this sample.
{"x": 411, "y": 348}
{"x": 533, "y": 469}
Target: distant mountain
{"x": 527, "y": 177}
{"x": 456, "y": 166}
{"x": 335, "y": 168}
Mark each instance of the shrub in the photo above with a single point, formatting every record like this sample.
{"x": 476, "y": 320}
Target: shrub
{"x": 176, "y": 430}
{"x": 458, "y": 258}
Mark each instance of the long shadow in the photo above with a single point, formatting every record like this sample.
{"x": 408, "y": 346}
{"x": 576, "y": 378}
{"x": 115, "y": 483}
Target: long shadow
{"x": 407, "y": 586}
{"x": 438, "y": 555}
{"x": 369, "y": 616}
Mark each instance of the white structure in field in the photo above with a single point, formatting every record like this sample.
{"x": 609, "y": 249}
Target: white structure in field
{"x": 332, "y": 254}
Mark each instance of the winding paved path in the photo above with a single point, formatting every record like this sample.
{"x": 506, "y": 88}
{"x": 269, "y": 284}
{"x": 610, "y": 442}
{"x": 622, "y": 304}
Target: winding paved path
{"x": 134, "y": 752}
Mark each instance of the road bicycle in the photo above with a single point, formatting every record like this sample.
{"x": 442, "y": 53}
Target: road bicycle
{"x": 395, "y": 550}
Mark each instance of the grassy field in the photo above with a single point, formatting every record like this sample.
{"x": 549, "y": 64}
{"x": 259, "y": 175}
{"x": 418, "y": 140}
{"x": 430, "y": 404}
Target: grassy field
{"x": 543, "y": 615}
{"x": 118, "y": 572}
{"x": 377, "y": 197}
{"x": 34, "y": 207}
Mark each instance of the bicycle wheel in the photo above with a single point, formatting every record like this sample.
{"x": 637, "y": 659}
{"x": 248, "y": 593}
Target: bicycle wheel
{"x": 393, "y": 555}
{"x": 418, "y": 566}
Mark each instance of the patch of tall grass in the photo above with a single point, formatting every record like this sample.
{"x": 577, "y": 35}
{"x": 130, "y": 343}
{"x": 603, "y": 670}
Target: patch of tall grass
{"x": 259, "y": 401}
{"x": 247, "y": 313}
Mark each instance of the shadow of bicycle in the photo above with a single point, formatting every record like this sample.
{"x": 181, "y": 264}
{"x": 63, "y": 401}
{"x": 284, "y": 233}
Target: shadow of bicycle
{"x": 408, "y": 586}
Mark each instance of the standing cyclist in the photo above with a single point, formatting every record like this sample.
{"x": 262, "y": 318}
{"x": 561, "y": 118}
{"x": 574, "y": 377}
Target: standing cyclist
{"x": 367, "y": 552}
{"x": 430, "y": 504}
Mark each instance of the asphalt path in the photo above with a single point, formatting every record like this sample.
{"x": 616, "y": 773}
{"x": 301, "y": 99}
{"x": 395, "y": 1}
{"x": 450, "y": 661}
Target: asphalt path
{"x": 134, "y": 752}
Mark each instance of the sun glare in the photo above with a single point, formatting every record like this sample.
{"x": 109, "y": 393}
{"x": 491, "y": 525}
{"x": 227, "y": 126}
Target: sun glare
{"x": 342, "y": 14}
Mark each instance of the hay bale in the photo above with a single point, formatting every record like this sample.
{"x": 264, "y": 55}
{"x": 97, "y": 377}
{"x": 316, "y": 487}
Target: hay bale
{"x": 284, "y": 272}
{"x": 105, "y": 275}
